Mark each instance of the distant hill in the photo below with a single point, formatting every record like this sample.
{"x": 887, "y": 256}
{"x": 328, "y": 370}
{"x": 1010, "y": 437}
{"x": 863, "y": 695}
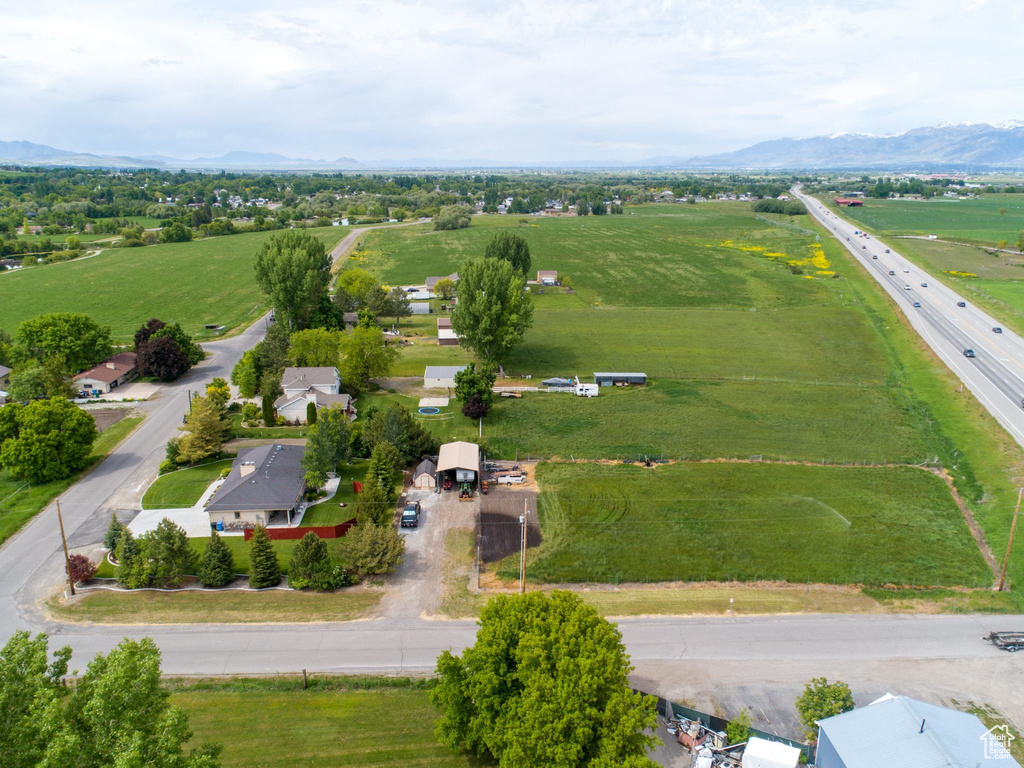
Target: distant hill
{"x": 964, "y": 144}
{"x": 27, "y": 153}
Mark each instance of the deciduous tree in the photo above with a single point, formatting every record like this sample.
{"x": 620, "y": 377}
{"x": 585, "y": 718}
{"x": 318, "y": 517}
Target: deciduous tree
{"x": 294, "y": 270}
{"x": 72, "y": 336}
{"x": 327, "y": 446}
{"x": 546, "y": 683}
{"x": 82, "y": 568}
{"x": 453, "y": 217}
{"x": 174, "y": 331}
{"x": 398, "y": 305}
{"x": 163, "y": 359}
{"x": 475, "y": 381}
{"x": 494, "y": 311}
{"x": 246, "y": 375}
{"x": 147, "y": 330}
{"x": 822, "y": 699}
{"x": 218, "y": 392}
{"x": 46, "y": 440}
{"x": 365, "y": 356}
{"x": 445, "y": 288}
{"x": 315, "y": 347}
{"x": 512, "y": 248}
{"x": 31, "y": 696}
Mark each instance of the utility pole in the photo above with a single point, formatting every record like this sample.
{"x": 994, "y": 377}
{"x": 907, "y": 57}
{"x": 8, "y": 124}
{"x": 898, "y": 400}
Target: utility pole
{"x": 64, "y": 541}
{"x": 522, "y": 550}
{"x": 1009, "y": 544}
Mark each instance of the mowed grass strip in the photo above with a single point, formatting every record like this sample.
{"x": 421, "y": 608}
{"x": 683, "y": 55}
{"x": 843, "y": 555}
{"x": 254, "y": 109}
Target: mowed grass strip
{"x": 204, "y": 281}
{"x": 221, "y": 607}
{"x": 183, "y": 487}
{"x": 356, "y": 729}
{"x": 750, "y": 522}
{"x": 20, "y": 501}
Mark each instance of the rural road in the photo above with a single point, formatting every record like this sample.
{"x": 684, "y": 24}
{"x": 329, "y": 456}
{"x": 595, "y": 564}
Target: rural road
{"x": 995, "y": 375}
{"x": 784, "y": 648}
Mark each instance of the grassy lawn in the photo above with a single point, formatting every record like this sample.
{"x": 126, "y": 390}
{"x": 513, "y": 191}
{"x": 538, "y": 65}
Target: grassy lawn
{"x": 20, "y": 501}
{"x": 233, "y": 607}
{"x": 328, "y": 512}
{"x": 204, "y": 281}
{"x": 182, "y": 488}
{"x": 239, "y": 549}
{"x": 723, "y": 522}
{"x": 448, "y": 425}
{"x": 262, "y": 433}
{"x": 356, "y": 729}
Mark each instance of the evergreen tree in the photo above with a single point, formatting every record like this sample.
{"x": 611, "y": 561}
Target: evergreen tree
{"x": 372, "y": 506}
{"x": 133, "y": 570}
{"x": 170, "y": 557}
{"x": 311, "y": 566}
{"x": 264, "y": 570}
{"x": 385, "y": 460}
{"x": 205, "y": 429}
{"x": 216, "y": 566}
{"x": 310, "y": 413}
{"x": 268, "y": 410}
{"x": 370, "y": 549}
{"x": 114, "y": 532}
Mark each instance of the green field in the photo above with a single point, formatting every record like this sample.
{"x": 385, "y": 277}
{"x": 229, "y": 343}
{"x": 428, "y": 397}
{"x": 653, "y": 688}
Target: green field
{"x": 182, "y": 488}
{"x": 204, "y": 281}
{"x": 20, "y": 501}
{"x": 356, "y": 729}
{"x": 975, "y": 220}
{"x": 745, "y": 522}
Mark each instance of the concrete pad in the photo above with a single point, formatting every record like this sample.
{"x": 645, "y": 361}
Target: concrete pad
{"x": 137, "y": 390}
{"x": 196, "y": 522}
{"x": 433, "y": 402}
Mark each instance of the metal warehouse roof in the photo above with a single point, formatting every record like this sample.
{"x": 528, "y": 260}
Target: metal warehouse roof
{"x": 442, "y": 371}
{"x": 619, "y": 373}
{"x": 888, "y": 732}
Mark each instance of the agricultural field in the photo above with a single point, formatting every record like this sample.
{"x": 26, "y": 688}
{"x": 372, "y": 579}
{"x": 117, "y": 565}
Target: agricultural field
{"x": 747, "y": 522}
{"x": 759, "y": 340}
{"x": 195, "y": 283}
{"x": 976, "y": 220}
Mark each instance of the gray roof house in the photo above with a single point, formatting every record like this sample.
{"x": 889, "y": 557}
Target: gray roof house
{"x": 432, "y": 281}
{"x": 301, "y": 386}
{"x": 264, "y": 486}
{"x": 905, "y": 732}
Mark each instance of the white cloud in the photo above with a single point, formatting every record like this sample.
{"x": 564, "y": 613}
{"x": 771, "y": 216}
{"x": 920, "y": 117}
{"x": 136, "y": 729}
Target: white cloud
{"x": 523, "y": 80}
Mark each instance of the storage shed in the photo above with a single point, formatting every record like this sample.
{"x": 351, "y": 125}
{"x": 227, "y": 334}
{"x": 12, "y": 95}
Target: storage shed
{"x": 461, "y": 458}
{"x": 441, "y": 376}
{"x": 608, "y": 379}
{"x": 420, "y": 307}
{"x": 425, "y": 476}
{"x": 761, "y": 753}
{"x": 446, "y": 337}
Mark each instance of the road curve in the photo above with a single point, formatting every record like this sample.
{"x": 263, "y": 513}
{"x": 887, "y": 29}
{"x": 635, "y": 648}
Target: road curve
{"x": 995, "y": 374}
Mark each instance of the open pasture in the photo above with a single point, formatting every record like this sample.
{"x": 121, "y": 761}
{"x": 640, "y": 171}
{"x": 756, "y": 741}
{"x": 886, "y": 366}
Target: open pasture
{"x": 745, "y": 522}
{"x": 975, "y": 220}
{"x": 195, "y": 283}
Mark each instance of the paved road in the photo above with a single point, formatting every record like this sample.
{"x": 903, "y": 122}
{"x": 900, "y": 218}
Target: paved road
{"x": 996, "y": 372}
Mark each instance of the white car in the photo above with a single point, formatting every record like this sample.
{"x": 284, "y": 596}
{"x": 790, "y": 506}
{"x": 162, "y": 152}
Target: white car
{"x": 907, "y": 271}
{"x": 511, "y": 479}
{"x": 906, "y": 287}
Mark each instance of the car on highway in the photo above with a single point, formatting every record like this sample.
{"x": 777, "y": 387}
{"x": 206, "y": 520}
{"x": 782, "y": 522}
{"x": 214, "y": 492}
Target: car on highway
{"x": 887, "y": 250}
{"x": 924, "y": 285}
{"x": 863, "y": 247}
{"x": 969, "y": 352}
{"x": 906, "y": 287}
{"x": 411, "y": 515}
{"x": 917, "y": 303}
{"x": 961, "y": 303}
{"x": 892, "y": 271}
{"x": 874, "y": 256}
{"x": 907, "y": 271}
{"x": 997, "y": 329}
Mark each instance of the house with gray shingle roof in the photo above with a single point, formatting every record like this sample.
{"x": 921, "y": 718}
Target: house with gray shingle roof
{"x": 264, "y": 486}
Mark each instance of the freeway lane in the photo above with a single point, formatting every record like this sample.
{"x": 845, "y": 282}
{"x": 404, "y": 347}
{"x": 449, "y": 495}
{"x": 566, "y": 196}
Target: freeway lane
{"x": 995, "y": 375}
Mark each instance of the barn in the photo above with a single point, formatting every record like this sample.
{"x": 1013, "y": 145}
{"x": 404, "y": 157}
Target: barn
{"x": 609, "y": 379}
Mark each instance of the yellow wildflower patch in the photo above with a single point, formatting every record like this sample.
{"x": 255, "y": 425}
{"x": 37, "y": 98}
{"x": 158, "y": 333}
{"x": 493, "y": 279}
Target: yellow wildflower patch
{"x": 955, "y": 273}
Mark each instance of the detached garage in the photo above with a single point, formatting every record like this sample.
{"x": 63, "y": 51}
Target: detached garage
{"x": 608, "y": 379}
{"x": 461, "y": 458}
{"x": 441, "y": 376}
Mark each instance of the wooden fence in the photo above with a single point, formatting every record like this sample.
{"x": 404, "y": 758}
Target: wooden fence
{"x": 323, "y": 531}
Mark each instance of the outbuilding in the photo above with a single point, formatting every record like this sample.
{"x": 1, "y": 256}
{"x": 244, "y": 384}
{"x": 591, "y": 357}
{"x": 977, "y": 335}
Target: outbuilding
{"x": 609, "y": 379}
{"x": 461, "y": 458}
{"x": 441, "y": 376}
{"x": 761, "y": 753}
{"x": 420, "y": 307}
{"x": 446, "y": 337}
{"x": 425, "y": 476}
{"x": 557, "y": 381}
{"x": 547, "y": 276}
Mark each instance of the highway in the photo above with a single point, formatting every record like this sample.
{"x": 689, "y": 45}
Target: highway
{"x": 995, "y": 372}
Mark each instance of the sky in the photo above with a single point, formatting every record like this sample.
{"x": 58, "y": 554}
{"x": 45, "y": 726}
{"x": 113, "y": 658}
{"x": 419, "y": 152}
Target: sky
{"x": 509, "y": 80}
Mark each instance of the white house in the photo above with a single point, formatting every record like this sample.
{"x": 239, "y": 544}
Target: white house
{"x": 320, "y": 386}
{"x": 441, "y": 376}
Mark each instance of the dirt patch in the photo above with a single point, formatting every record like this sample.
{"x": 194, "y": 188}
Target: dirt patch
{"x": 107, "y": 417}
{"x": 499, "y": 531}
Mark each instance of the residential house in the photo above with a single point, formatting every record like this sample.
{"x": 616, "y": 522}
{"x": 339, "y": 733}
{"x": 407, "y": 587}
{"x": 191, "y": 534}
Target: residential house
{"x": 320, "y": 386}
{"x": 264, "y": 486}
{"x": 897, "y": 730}
{"x": 111, "y": 373}
{"x": 432, "y": 282}
{"x": 547, "y": 276}
{"x": 441, "y": 376}
{"x": 5, "y": 383}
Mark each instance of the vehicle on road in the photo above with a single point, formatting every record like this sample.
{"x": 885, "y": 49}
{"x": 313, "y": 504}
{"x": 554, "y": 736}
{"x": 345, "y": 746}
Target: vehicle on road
{"x": 969, "y": 352}
{"x": 917, "y": 303}
{"x": 906, "y": 287}
{"x": 887, "y": 250}
{"x": 1007, "y": 641}
{"x": 874, "y": 256}
{"x": 892, "y": 271}
{"x": 906, "y": 271}
{"x": 961, "y": 303}
{"x": 411, "y": 515}
{"x": 997, "y": 329}
{"x": 924, "y": 285}
{"x": 863, "y": 247}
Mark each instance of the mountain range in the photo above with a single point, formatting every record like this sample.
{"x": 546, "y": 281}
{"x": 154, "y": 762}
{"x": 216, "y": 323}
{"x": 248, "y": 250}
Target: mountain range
{"x": 977, "y": 146}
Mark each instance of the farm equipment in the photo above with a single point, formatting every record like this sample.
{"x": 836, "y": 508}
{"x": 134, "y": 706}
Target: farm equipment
{"x": 1007, "y": 641}
{"x": 447, "y": 484}
{"x": 465, "y": 492}
{"x": 483, "y": 487}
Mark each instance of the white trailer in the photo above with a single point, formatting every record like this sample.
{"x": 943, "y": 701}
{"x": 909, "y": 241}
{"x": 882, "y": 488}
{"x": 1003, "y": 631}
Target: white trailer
{"x": 587, "y": 390}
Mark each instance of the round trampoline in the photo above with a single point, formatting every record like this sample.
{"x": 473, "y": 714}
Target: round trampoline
{"x": 430, "y": 411}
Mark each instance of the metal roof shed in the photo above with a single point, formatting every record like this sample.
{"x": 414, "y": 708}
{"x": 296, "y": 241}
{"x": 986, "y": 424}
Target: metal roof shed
{"x": 761, "y": 753}
{"x": 464, "y": 457}
{"x": 607, "y": 379}
{"x": 897, "y": 730}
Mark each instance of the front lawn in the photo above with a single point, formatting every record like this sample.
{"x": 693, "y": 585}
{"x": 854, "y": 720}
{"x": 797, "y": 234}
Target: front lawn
{"x": 328, "y": 512}
{"x": 183, "y": 487}
{"x": 264, "y": 433}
